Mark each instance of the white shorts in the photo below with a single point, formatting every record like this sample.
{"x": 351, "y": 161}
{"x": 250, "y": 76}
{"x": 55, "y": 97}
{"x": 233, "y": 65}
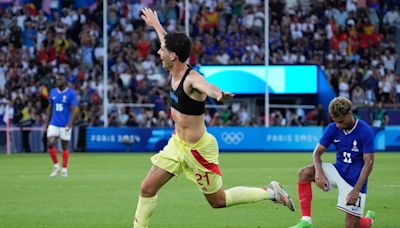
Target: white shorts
{"x": 336, "y": 181}
{"x": 53, "y": 131}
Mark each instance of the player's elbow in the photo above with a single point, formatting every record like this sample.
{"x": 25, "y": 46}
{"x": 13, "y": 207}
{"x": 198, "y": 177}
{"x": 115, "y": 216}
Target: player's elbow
{"x": 371, "y": 164}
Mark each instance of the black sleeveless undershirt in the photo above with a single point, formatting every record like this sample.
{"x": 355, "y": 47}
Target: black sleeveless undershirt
{"x": 183, "y": 103}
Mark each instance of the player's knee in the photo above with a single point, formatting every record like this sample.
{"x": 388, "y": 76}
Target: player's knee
{"x": 302, "y": 171}
{"x": 352, "y": 223}
{"x": 50, "y": 144}
{"x": 147, "y": 190}
{"x": 305, "y": 173}
{"x": 217, "y": 199}
{"x": 64, "y": 147}
{"x": 217, "y": 203}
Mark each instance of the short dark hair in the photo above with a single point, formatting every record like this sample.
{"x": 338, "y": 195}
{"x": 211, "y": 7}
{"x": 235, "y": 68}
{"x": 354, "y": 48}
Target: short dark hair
{"x": 339, "y": 107}
{"x": 179, "y": 43}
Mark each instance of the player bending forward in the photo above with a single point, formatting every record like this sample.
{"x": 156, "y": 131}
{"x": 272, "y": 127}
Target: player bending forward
{"x": 191, "y": 150}
{"x": 353, "y": 140}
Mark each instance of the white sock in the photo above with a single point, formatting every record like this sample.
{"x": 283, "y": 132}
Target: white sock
{"x": 307, "y": 219}
{"x": 64, "y": 169}
{"x": 241, "y": 195}
{"x": 57, "y": 166}
{"x": 271, "y": 194}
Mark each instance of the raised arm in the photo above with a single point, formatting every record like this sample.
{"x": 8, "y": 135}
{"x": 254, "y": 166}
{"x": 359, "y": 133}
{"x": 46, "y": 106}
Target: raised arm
{"x": 199, "y": 83}
{"x": 150, "y": 17}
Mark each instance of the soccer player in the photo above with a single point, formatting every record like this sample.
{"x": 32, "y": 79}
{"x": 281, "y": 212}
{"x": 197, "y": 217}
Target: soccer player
{"x": 191, "y": 150}
{"x": 60, "y": 116}
{"x": 354, "y": 142}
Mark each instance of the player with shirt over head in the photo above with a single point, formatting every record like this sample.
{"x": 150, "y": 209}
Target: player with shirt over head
{"x": 191, "y": 149}
{"x": 60, "y": 116}
{"x": 354, "y": 142}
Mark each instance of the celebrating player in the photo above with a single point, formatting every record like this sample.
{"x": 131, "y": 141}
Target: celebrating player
{"x": 353, "y": 140}
{"x": 191, "y": 150}
{"x": 60, "y": 116}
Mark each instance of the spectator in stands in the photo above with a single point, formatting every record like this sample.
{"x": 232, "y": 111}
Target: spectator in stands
{"x": 320, "y": 117}
{"x": 29, "y": 34}
{"x": 226, "y": 114}
{"x": 337, "y": 44}
{"x": 149, "y": 119}
{"x": 358, "y": 96}
{"x": 300, "y": 113}
{"x": 25, "y": 123}
{"x": 392, "y": 16}
{"x": 344, "y": 87}
{"x": 163, "y": 120}
{"x": 311, "y": 117}
{"x": 385, "y": 87}
{"x": 397, "y": 89}
{"x": 371, "y": 86}
{"x": 291, "y": 118}
{"x": 277, "y": 118}
{"x": 113, "y": 120}
{"x": 380, "y": 117}
{"x": 244, "y": 115}
{"x": 124, "y": 117}
{"x": 132, "y": 121}
{"x": 216, "y": 120}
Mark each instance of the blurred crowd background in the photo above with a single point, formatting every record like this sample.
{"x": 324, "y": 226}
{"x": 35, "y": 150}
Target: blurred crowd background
{"x": 355, "y": 42}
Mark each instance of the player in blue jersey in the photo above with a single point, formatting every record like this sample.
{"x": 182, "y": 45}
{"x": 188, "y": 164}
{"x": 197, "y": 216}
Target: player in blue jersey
{"x": 60, "y": 116}
{"x": 354, "y": 142}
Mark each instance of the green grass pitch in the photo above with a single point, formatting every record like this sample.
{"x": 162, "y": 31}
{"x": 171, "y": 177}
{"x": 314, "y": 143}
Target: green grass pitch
{"x": 102, "y": 191}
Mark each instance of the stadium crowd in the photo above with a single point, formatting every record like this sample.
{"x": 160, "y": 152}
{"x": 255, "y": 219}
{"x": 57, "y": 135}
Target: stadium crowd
{"x": 354, "y": 41}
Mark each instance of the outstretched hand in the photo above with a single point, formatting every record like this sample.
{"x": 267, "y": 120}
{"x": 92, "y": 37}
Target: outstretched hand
{"x": 150, "y": 17}
{"x": 225, "y": 96}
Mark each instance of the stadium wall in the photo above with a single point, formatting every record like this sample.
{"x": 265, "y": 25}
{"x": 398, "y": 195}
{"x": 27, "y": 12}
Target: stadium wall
{"x": 235, "y": 139}
{"x": 229, "y": 138}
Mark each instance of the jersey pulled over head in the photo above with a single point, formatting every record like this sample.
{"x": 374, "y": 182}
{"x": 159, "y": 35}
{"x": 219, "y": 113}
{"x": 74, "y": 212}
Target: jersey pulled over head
{"x": 179, "y": 43}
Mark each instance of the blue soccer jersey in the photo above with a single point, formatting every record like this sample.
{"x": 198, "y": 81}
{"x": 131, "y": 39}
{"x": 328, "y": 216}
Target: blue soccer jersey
{"x": 350, "y": 147}
{"x": 61, "y": 102}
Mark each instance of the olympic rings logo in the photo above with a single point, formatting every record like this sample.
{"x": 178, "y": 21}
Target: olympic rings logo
{"x": 232, "y": 137}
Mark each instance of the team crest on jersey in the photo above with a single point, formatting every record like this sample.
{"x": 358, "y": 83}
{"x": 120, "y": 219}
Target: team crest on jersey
{"x": 355, "y": 149}
{"x": 173, "y": 97}
{"x": 64, "y": 99}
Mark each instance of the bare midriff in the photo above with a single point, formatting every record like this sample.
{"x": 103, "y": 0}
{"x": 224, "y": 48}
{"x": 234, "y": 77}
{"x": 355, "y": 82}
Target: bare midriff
{"x": 188, "y": 127}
